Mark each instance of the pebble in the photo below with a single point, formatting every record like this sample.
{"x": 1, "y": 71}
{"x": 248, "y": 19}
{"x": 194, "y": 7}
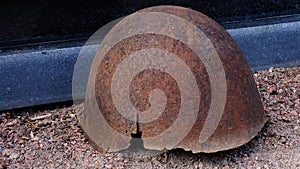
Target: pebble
{"x": 290, "y": 103}
{"x": 285, "y": 119}
{"x": 4, "y": 133}
{"x": 72, "y": 115}
{"x": 293, "y": 113}
{"x": 6, "y": 152}
{"x": 297, "y": 101}
{"x": 283, "y": 140}
{"x": 198, "y": 164}
{"x": 280, "y": 91}
{"x": 14, "y": 155}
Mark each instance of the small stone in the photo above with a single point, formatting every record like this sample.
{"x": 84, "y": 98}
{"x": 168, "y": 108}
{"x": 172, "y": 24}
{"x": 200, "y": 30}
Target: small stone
{"x": 272, "y": 133}
{"x": 226, "y": 167}
{"x": 293, "y": 113}
{"x": 272, "y": 102}
{"x": 42, "y": 123}
{"x": 272, "y": 91}
{"x": 14, "y": 155}
{"x": 297, "y": 101}
{"x": 4, "y": 133}
{"x": 290, "y": 103}
{"x": 72, "y": 115}
{"x": 198, "y": 164}
{"x": 31, "y": 135}
{"x": 287, "y": 120}
{"x": 271, "y": 69}
{"x": 6, "y": 152}
{"x": 15, "y": 121}
{"x": 108, "y": 166}
{"x": 283, "y": 140}
{"x": 280, "y": 91}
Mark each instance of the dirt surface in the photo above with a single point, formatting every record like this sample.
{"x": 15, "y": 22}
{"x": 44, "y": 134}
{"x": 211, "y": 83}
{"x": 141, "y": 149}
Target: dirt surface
{"x": 56, "y": 140}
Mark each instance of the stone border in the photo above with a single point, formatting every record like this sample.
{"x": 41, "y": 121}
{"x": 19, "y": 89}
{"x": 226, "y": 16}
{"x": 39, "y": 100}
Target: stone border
{"x": 36, "y": 77}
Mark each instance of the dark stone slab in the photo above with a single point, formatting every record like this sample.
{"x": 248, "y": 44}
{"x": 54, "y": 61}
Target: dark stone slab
{"x": 31, "y": 21}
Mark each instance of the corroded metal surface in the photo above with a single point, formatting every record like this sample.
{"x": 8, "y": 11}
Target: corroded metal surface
{"x": 177, "y": 78}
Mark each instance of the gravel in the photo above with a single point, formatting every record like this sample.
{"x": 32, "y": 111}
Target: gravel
{"x": 57, "y": 141}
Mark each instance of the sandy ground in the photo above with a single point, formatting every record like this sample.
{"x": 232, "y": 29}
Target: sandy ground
{"x": 57, "y": 141}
